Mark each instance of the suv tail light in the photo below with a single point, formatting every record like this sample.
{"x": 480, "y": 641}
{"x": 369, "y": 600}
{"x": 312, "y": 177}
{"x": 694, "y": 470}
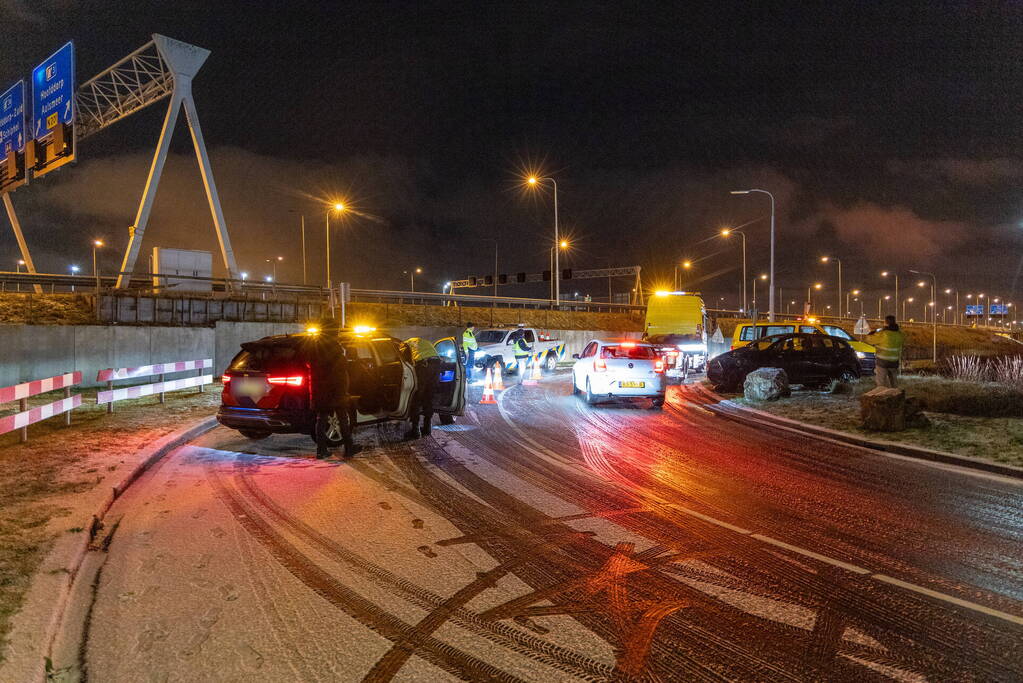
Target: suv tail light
{"x": 599, "y": 365}
{"x": 658, "y": 366}
{"x": 225, "y": 379}
{"x": 286, "y": 381}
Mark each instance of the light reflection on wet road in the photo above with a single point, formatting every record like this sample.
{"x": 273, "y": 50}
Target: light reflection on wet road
{"x": 542, "y": 539}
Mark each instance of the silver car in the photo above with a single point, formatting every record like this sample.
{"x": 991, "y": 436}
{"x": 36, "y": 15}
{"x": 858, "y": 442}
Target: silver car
{"x": 620, "y": 368}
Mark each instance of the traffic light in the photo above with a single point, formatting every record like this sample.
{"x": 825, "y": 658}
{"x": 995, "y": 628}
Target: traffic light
{"x": 546, "y": 276}
{"x": 566, "y": 274}
{"x": 488, "y": 280}
{"x": 472, "y": 282}
{"x": 502, "y": 279}
{"x": 520, "y": 277}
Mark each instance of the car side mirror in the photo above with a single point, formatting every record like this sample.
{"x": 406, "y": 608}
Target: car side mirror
{"x": 575, "y": 355}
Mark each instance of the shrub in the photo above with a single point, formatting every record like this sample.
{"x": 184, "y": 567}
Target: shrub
{"x": 1008, "y": 370}
{"x": 967, "y": 369}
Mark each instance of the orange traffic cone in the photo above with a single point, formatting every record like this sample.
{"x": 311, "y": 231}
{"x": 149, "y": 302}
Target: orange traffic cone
{"x": 534, "y": 377}
{"x": 488, "y": 390}
{"x": 498, "y": 379}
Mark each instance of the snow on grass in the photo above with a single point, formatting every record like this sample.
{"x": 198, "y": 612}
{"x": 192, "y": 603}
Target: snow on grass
{"x": 61, "y": 469}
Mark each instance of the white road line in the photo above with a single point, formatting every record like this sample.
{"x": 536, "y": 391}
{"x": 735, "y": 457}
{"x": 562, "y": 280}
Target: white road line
{"x": 883, "y": 578}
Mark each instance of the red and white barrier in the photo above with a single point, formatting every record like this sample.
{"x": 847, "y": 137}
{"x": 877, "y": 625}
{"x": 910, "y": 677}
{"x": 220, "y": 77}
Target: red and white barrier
{"x": 109, "y": 375}
{"x": 20, "y": 392}
{"x": 150, "y": 389}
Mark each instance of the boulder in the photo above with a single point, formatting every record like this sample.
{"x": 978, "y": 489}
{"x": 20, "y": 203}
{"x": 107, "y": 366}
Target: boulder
{"x": 914, "y": 414}
{"x": 766, "y": 384}
{"x": 883, "y": 409}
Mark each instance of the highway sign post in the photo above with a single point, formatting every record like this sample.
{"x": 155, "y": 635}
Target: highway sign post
{"x": 12, "y": 137}
{"x": 53, "y": 110}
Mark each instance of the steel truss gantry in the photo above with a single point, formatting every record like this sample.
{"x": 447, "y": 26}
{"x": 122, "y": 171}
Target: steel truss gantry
{"x": 162, "y": 67}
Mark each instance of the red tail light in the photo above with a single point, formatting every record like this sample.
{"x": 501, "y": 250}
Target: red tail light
{"x": 658, "y": 366}
{"x": 225, "y": 378}
{"x": 599, "y": 365}
{"x": 286, "y": 381}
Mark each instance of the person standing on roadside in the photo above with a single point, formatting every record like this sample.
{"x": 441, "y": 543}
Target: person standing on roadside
{"x": 469, "y": 346}
{"x": 888, "y": 342}
{"x": 329, "y": 395}
{"x": 426, "y": 360}
{"x": 522, "y": 353}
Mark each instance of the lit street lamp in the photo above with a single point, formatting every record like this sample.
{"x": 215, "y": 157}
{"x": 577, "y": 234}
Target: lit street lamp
{"x": 725, "y": 232}
{"x": 338, "y": 207}
{"x": 18, "y": 266}
{"x": 763, "y": 276}
{"x": 687, "y": 264}
{"x": 274, "y": 262}
{"x": 827, "y": 259}
{"x": 904, "y": 302}
{"x": 412, "y": 272}
{"x": 886, "y": 297}
{"x": 934, "y": 321}
{"x": 809, "y": 293}
{"x": 854, "y": 292}
{"x": 770, "y": 312}
{"x": 956, "y": 320}
{"x": 885, "y": 273}
{"x": 96, "y": 244}
{"x": 561, "y": 246}
{"x": 74, "y": 271}
{"x": 244, "y": 275}
{"x": 534, "y": 181}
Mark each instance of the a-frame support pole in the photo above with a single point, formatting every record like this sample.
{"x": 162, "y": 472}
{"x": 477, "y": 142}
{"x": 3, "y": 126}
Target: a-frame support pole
{"x": 18, "y": 235}
{"x": 192, "y": 116}
{"x": 136, "y": 231}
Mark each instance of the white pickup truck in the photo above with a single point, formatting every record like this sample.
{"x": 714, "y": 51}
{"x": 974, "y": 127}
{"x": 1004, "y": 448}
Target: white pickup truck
{"x": 496, "y": 346}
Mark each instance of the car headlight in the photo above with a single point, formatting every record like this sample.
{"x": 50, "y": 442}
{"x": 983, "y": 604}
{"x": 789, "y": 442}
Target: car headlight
{"x": 861, "y": 355}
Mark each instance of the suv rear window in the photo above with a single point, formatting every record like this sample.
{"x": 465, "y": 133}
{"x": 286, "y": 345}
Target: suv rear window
{"x": 635, "y": 352}
{"x": 835, "y": 331}
{"x": 266, "y": 357}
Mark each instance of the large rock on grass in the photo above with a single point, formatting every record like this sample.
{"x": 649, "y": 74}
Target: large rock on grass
{"x": 766, "y": 384}
{"x": 883, "y": 409}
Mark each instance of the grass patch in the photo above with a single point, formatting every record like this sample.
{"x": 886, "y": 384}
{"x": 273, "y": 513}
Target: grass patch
{"x": 999, "y": 439}
{"x": 39, "y": 478}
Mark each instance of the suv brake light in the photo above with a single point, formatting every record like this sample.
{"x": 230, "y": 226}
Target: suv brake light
{"x": 288, "y": 381}
{"x": 225, "y": 378}
{"x": 599, "y": 365}
{"x": 658, "y": 366}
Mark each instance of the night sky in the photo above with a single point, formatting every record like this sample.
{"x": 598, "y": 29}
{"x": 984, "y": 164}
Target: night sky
{"x": 890, "y": 135}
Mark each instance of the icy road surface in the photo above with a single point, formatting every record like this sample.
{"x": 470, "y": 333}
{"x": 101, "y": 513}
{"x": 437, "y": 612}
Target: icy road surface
{"x": 545, "y": 540}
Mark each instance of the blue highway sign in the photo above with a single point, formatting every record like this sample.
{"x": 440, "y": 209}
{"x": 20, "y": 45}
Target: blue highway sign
{"x": 53, "y": 92}
{"x": 975, "y": 309}
{"x": 12, "y": 120}
{"x": 998, "y": 309}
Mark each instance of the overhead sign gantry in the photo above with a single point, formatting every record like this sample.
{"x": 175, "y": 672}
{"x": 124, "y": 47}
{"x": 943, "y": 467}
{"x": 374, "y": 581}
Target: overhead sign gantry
{"x": 63, "y": 116}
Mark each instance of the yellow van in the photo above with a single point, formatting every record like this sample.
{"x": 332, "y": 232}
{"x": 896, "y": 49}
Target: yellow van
{"x": 746, "y": 332}
{"x": 676, "y": 324}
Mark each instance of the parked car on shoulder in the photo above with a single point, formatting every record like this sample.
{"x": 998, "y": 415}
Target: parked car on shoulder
{"x": 267, "y": 385}
{"x": 810, "y": 359}
{"x": 612, "y": 369}
{"x": 747, "y": 332}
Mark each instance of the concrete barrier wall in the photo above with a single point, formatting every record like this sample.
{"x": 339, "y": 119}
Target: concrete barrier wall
{"x": 29, "y": 352}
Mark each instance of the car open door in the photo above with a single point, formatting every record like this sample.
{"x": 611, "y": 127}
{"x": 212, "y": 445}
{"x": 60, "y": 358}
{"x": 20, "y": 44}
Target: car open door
{"x": 450, "y": 396}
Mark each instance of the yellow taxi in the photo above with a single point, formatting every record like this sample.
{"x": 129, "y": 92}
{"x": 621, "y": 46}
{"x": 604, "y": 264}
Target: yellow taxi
{"x": 746, "y": 332}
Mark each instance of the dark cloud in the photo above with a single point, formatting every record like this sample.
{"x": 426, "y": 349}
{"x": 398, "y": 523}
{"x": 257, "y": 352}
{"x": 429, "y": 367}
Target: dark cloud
{"x": 973, "y": 172}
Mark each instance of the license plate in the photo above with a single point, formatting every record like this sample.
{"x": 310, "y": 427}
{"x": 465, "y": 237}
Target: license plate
{"x": 253, "y": 388}
{"x": 632, "y": 385}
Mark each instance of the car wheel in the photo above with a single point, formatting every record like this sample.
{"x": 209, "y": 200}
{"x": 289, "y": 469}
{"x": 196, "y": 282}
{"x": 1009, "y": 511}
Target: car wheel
{"x": 656, "y": 403}
{"x": 447, "y": 419}
{"x": 254, "y": 434}
{"x": 590, "y": 398}
{"x": 848, "y": 376}
{"x": 550, "y": 363}
{"x": 575, "y": 386}
{"x": 336, "y": 427}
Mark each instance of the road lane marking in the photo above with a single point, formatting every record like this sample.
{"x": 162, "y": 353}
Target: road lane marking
{"x": 883, "y": 578}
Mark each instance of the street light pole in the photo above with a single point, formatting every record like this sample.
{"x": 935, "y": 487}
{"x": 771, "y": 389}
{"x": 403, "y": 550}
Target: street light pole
{"x": 726, "y": 232}
{"x": 303, "y": 251}
{"x": 339, "y": 207}
{"x": 770, "y": 312}
{"x": 826, "y": 259}
{"x": 884, "y": 273}
{"x": 934, "y": 319}
{"x": 533, "y": 180}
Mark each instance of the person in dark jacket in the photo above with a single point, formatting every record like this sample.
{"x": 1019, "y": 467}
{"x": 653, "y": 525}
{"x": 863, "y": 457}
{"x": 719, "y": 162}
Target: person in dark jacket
{"x": 426, "y": 360}
{"x": 328, "y": 391}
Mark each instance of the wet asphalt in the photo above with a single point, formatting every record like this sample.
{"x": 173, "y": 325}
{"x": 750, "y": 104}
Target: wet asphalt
{"x": 543, "y": 539}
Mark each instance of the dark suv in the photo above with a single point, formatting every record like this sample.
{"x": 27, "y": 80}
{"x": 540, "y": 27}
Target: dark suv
{"x": 267, "y": 384}
{"x": 808, "y": 359}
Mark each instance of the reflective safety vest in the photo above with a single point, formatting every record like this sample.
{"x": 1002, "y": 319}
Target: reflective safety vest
{"x": 521, "y": 348}
{"x": 887, "y": 344}
{"x": 421, "y": 349}
{"x": 469, "y": 341}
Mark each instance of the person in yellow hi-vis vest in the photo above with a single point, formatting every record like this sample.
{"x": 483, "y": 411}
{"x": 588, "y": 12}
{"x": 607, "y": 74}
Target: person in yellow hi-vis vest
{"x": 888, "y": 342}
{"x": 469, "y": 347}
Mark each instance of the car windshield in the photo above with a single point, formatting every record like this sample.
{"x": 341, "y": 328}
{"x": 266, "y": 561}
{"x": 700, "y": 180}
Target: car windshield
{"x": 490, "y": 336}
{"x": 630, "y": 351}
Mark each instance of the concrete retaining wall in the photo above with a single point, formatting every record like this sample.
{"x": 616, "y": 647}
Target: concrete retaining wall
{"x": 29, "y": 352}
